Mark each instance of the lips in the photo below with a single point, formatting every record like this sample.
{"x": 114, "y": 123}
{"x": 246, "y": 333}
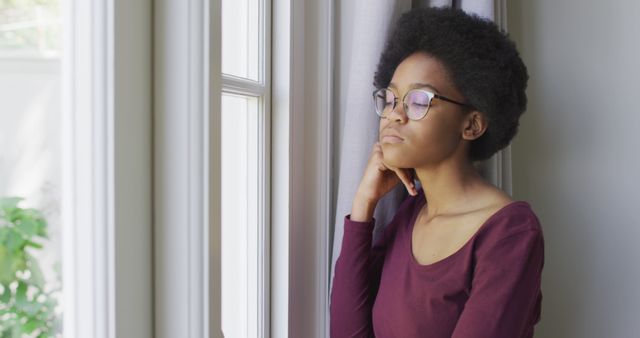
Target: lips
{"x": 391, "y": 136}
{"x": 391, "y": 139}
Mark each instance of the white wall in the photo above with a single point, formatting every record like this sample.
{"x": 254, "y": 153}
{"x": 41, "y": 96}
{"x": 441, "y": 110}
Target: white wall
{"x": 576, "y": 160}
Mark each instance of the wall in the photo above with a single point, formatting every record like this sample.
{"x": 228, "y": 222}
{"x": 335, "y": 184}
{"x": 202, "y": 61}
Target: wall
{"x": 575, "y": 159}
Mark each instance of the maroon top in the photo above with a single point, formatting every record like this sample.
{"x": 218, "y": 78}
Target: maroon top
{"x": 489, "y": 288}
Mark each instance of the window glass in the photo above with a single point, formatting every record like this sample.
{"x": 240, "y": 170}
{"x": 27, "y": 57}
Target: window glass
{"x": 241, "y": 38}
{"x": 240, "y": 187}
{"x": 30, "y": 169}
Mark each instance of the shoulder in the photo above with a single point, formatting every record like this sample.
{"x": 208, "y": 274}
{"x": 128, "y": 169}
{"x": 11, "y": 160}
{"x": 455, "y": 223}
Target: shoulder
{"x": 516, "y": 219}
{"x": 503, "y": 215}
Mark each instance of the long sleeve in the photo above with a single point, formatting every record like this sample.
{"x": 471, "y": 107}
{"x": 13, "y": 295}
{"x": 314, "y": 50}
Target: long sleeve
{"x": 356, "y": 280}
{"x": 505, "y": 296}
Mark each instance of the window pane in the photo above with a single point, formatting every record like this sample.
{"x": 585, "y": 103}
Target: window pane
{"x": 242, "y": 27}
{"x": 30, "y": 169}
{"x": 240, "y": 222}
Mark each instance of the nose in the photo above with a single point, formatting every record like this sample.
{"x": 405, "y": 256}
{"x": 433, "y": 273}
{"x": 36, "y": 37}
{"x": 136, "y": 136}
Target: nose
{"x": 397, "y": 113}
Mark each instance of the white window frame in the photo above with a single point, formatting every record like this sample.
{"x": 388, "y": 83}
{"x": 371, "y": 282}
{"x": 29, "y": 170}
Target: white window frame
{"x": 186, "y": 210}
{"x": 302, "y": 162}
{"x": 106, "y": 190}
{"x": 187, "y": 185}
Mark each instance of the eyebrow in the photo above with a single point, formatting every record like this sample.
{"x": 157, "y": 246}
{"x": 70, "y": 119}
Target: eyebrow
{"x": 416, "y": 85}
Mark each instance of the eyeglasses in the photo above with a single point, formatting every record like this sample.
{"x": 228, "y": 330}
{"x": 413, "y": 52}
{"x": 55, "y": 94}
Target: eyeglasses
{"x": 416, "y": 102}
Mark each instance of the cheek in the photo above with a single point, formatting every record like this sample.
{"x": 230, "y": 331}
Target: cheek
{"x": 442, "y": 131}
{"x": 435, "y": 141}
{"x": 430, "y": 141}
{"x": 431, "y": 135}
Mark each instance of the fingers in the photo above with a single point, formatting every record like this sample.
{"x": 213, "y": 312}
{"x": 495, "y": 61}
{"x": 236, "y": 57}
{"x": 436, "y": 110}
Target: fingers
{"x": 406, "y": 175}
{"x": 377, "y": 152}
{"x": 407, "y": 179}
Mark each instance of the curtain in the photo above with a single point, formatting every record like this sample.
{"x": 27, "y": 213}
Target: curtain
{"x": 362, "y": 28}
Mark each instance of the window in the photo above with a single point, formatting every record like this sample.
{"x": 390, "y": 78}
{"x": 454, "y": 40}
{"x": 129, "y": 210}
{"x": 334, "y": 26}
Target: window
{"x": 75, "y": 140}
{"x": 107, "y": 174}
{"x": 30, "y": 169}
{"x": 244, "y": 122}
{"x": 236, "y": 131}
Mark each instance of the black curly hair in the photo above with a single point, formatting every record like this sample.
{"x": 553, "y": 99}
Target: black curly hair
{"x": 479, "y": 58}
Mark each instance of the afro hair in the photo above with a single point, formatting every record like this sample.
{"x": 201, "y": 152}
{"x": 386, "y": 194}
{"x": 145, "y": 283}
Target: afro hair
{"x": 480, "y": 59}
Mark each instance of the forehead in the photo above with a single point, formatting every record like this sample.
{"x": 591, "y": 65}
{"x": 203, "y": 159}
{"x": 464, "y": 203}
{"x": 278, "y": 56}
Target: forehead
{"x": 420, "y": 69}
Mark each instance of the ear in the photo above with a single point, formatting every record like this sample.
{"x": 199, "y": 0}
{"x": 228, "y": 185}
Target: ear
{"x": 474, "y": 125}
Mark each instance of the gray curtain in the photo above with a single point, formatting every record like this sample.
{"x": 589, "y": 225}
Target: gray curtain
{"x": 362, "y": 28}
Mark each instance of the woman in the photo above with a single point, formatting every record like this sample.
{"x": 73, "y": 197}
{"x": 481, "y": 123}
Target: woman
{"x": 460, "y": 258}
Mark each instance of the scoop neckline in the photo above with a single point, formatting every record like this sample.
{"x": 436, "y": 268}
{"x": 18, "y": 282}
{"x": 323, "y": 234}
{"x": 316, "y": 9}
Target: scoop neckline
{"x": 419, "y": 203}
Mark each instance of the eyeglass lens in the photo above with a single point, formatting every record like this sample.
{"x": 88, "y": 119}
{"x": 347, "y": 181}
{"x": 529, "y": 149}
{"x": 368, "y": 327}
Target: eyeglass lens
{"x": 416, "y": 103}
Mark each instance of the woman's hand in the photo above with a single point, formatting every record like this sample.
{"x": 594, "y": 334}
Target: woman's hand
{"x": 377, "y": 181}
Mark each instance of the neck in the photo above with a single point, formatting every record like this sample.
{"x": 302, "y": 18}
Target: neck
{"x": 448, "y": 185}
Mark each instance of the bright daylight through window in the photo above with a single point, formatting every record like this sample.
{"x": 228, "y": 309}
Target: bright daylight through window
{"x": 244, "y": 119}
{"x": 30, "y": 169}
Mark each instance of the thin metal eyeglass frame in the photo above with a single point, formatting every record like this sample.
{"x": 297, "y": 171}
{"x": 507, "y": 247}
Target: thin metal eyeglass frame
{"x": 431, "y": 95}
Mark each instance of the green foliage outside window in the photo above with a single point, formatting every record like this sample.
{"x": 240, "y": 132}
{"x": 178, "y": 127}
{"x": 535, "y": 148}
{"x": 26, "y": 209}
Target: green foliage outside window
{"x": 26, "y": 308}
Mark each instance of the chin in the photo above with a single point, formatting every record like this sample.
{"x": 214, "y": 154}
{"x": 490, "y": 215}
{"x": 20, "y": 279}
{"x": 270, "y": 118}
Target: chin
{"x": 395, "y": 160}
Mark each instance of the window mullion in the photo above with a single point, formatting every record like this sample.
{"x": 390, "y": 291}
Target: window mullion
{"x": 232, "y": 84}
